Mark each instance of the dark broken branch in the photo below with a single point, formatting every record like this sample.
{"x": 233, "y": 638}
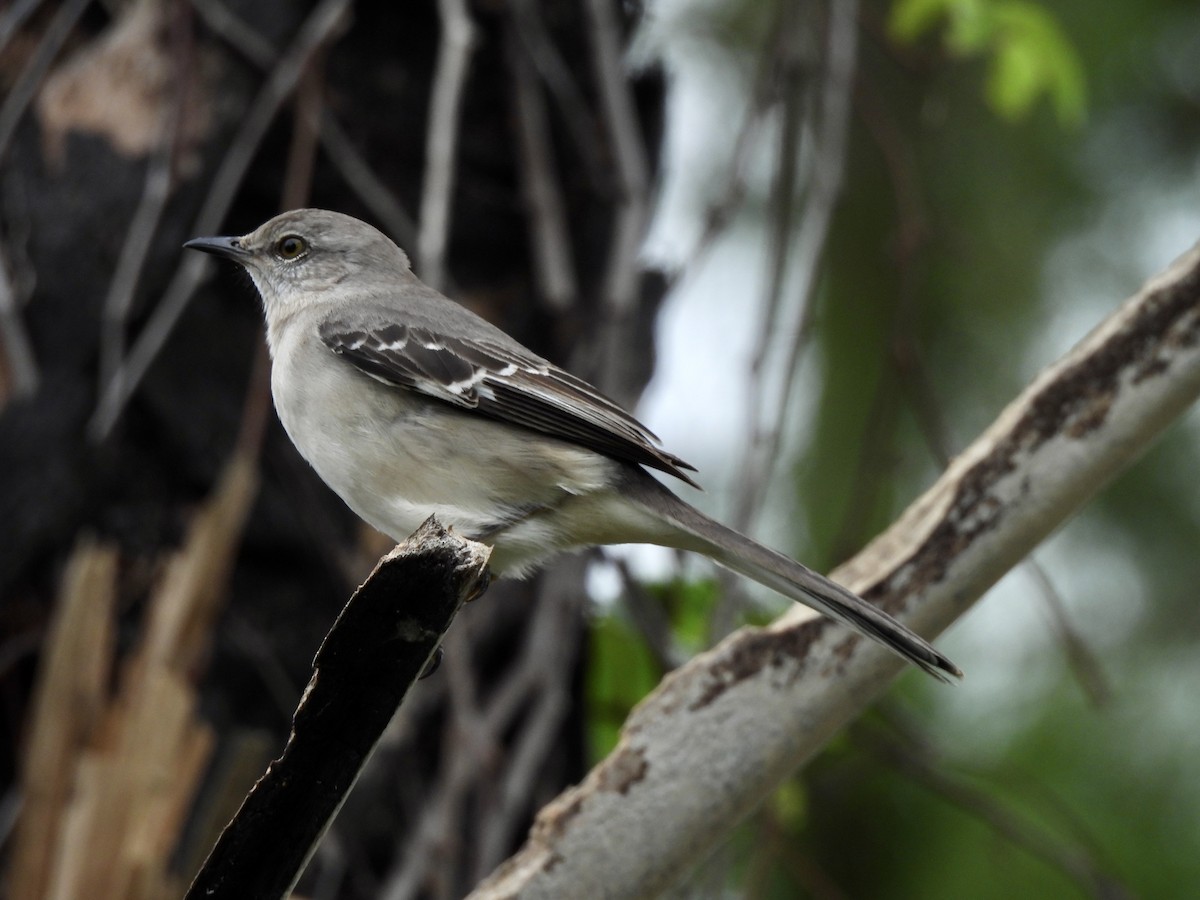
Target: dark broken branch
{"x": 378, "y": 648}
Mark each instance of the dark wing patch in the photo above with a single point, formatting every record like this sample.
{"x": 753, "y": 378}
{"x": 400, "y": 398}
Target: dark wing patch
{"x": 500, "y": 382}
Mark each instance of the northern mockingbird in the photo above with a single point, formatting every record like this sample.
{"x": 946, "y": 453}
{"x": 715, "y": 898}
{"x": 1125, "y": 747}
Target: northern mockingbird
{"x": 408, "y": 404}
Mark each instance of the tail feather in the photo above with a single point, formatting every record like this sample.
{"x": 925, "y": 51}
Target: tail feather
{"x": 791, "y": 579}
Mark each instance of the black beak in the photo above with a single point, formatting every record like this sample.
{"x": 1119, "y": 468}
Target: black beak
{"x": 228, "y": 247}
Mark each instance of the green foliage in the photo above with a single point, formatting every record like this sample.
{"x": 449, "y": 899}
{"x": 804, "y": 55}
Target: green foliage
{"x": 1028, "y": 54}
{"x": 623, "y": 670}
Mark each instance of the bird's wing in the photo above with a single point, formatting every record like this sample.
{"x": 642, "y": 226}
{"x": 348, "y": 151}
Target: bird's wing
{"x": 498, "y": 380}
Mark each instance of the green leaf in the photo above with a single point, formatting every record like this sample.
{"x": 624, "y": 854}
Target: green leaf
{"x": 621, "y": 672}
{"x": 1029, "y": 55}
{"x": 1033, "y": 57}
{"x": 967, "y": 22}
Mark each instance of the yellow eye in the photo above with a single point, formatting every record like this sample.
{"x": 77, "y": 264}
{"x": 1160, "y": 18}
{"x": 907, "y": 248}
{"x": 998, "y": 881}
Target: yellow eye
{"x": 291, "y": 246}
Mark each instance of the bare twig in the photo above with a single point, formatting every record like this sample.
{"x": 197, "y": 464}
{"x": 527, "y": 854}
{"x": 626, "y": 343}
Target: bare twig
{"x": 913, "y": 380}
{"x": 320, "y": 27}
{"x": 823, "y": 185}
{"x": 922, "y": 765}
{"x": 465, "y": 741}
{"x": 441, "y": 143}
{"x": 369, "y": 187}
{"x": 462, "y": 743}
{"x": 647, "y": 615}
{"x": 723, "y": 204}
{"x": 798, "y": 249}
{"x": 546, "y": 668}
{"x": 263, "y": 658}
{"x": 331, "y": 868}
{"x": 155, "y": 192}
{"x": 720, "y": 211}
{"x": 20, "y": 362}
{"x": 354, "y": 169}
{"x": 235, "y": 32}
{"x": 14, "y": 17}
{"x": 629, "y": 150}
{"x": 473, "y": 765}
{"x": 1083, "y": 662}
{"x": 561, "y": 83}
{"x": 302, "y": 154}
{"x": 793, "y": 67}
{"x": 549, "y": 235}
{"x": 525, "y": 764}
{"x": 21, "y": 93}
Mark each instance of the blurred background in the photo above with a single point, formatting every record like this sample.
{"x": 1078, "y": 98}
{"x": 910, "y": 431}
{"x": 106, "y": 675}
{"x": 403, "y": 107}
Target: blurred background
{"x": 819, "y": 244}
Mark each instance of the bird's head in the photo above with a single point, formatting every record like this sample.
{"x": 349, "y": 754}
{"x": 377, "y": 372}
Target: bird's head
{"x": 296, "y": 257}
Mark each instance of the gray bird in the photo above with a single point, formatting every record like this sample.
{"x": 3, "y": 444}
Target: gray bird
{"x": 407, "y": 404}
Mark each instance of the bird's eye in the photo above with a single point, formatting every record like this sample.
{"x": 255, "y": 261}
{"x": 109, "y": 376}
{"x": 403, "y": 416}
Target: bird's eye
{"x": 291, "y": 246}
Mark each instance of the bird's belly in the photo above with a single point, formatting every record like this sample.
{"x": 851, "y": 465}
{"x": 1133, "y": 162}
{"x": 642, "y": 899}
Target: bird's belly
{"x": 396, "y": 457}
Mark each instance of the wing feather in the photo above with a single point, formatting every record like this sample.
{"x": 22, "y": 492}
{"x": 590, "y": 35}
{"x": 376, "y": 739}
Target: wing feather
{"x": 501, "y": 381}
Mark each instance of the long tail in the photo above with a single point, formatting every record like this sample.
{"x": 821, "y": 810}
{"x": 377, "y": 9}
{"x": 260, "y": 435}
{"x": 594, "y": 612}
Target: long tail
{"x": 786, "y": 576}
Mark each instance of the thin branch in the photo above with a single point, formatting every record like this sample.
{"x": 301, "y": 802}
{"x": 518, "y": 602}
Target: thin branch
{"x": 21, "y": 93}
{"x": 235, "y": 32}
{"x": 331, "y": 871}
{"x": 1082, "y": 660}
{"x": 376, "y": 195}
{"x": 746, "y": 714}
{"x": 464, "y": 741}
{"x": 320, "y": 27}
{"x": 718, "y": 213}
{"x": 792, "y": 64}
{"x": 474, "y": 764}
{"x": 19, "y": 358}
{"x": 302, "y": 154}
{"x": 649, "y": 618}
{"x": 525, "y": 765}
{"x": 823, "y": 187}
{"x": 766, "y": 428}
{"x": 262, "y": 658}
{"x": 768, "y": 411}
{"x": 562, "y": 85}
{"x": 368, "y": 186}
{"x": 629, "y": 150}
{"x": 549, "y": 233}
{"x": 418, "y": 861}
{"x": 14, "y": 17}
{"x": 146, "y": 218}
{"x": 441, "y": 143}
{"x": 913, "y": 381}
{"x": 547, "y": 665}
{"x": 923, "y": 767}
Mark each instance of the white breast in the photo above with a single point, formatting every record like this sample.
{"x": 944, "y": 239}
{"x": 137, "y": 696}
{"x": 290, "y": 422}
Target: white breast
{"x": 396, "y": 457}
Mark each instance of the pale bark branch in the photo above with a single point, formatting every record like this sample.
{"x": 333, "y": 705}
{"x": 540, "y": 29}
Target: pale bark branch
{"x": 722, "y": 731}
